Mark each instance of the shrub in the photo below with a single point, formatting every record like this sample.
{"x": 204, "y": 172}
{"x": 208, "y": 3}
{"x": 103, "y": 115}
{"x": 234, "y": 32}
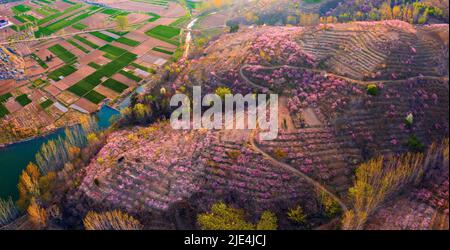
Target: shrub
{"x": 224, "y": 217}
{"x": 268, "y": 221}
{"x": 222, "y": 92}
{"x": 279, "y": 154}
{"x": 37, "y": 214}
{"x": 415, "y": 145}
{"x": 372, "y": 89}
{"x": 378, "y": 180}
{"x": 115, "y": 220}
{"x": 233, "y": 154}
{"x": 297, "y": 215}
{"x": 409, "y": 120}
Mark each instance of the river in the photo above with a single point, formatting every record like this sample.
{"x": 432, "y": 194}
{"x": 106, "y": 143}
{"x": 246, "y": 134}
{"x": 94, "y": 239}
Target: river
{"x": 15, "y": 157}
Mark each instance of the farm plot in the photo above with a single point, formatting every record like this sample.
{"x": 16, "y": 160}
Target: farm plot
{"x": 103, "y": 36}
{"x": 45, "y": 104}
{"x": 21, "y": 8}
{"x": 115, "y": 85}
{"x": 23, "y": 100}
{"x": 59, "y": 14}
{"x": 127, "y": 41}
{"x": 87, "y": 42}
{"x": 39, "y": 61}
{"x": 79, "y": 26}
{"x": 78, "y": 46}
{"x": 66, "y": 22}
{"x": 165, "y": 33}
{"x": 62, "y": 72}
{"x": 112, "y": 50}
{"x": 65, "y": 55}
{"x": 3, "y": 110}
{"x": 87, "y": 84}
{"x": 94, "y": 97}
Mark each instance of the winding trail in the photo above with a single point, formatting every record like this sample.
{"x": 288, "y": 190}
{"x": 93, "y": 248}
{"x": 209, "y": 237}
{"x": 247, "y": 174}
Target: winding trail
{"x": 296, "y": 172}
{"x": 288, "y": 167}
{"x": 285, "y": 166}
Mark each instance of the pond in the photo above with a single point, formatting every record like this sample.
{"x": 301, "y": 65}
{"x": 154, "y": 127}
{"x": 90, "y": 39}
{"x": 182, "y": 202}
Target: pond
{"x": 15, "y": 157}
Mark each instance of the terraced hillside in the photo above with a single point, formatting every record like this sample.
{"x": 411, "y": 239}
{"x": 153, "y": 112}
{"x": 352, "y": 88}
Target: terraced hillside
{"x": 186, "y": 172}
{"x": 383, "y": 50}
{"x": 330, "y": 123}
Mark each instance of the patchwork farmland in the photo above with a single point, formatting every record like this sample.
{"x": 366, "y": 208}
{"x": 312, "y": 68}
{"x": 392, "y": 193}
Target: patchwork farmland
{"x": 77, "y": 57}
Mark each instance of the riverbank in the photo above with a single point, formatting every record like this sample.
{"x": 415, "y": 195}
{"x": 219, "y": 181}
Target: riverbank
{"x": 16, "y": 156}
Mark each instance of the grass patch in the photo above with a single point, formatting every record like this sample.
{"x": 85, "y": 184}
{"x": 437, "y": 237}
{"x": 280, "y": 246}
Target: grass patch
{"x": 45, "y": 104}
{"x": 87, "y": 42}
{"x": 63, "y": 71}
{"x": 165, "y": 33}
{"x": 62, "y": 53}
{"x": 129, "y": 42}
{"x": 23, "y": 100}
{"x": 115, "y": 85}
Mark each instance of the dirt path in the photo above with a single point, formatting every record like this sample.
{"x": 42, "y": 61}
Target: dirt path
{"x": 289, "y": 168}
{"x": 285, "y": 166}
{"x": 296, "y": 172}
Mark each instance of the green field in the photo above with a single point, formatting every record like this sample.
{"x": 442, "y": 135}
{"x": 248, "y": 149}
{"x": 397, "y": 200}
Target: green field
{"x": 39, "y": 61}
{"x": 115, "y": 85}
{"x": 45, "y": 104}
{"x": 129, "y": 42}
{"x": 3, "y": 111}
{"x": 66, "y": 22}
{"x": 162, "y": 50}
{"x": 79, "y": 26}
{"x": 165, "y": 33}
{"x": 63, "y": 71}
{"x": 112, "y": 50}
{"x": 87, "y": 42}
{"x": 94, "y": 65}
{"x": 78, "y": 46}
{"x": 5, "y": 97}
{"x": 23, "y": 100}
{"x": 94, "y": 97}
{"x": 58, "y": 14}
{"x": 62, "y": 53}
{"x": 138, "y": 66}
{"x": 130, "y": 75}
{"x": 102, "y": 36}
{"x": 21, "y": 8}
{"x": 115, "y": 12}
{"x": 82, "y": 87}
